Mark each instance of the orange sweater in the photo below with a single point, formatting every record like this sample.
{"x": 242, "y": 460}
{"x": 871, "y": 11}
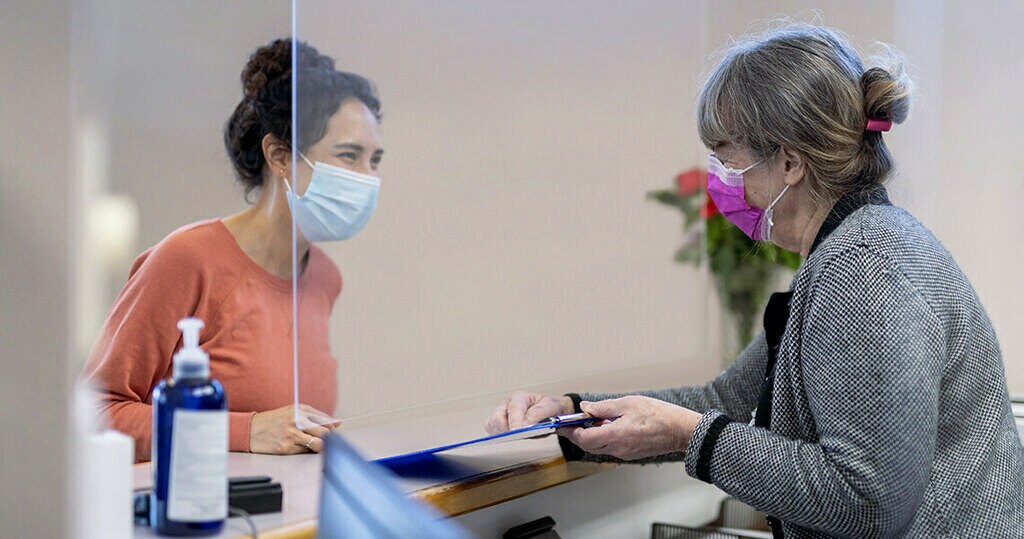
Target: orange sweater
{"x": 200, "y": 270}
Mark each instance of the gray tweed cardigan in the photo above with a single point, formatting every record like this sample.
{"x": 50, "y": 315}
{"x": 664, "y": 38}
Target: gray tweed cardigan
{"x": 890, "y": 414}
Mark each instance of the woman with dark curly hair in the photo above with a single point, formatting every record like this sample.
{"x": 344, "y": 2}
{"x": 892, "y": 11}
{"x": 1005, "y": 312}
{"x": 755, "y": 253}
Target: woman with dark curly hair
{"x": 235, "y": 273}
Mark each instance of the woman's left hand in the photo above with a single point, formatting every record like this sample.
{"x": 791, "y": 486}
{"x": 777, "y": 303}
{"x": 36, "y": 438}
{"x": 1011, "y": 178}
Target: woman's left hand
{"x": 643, "y": 427}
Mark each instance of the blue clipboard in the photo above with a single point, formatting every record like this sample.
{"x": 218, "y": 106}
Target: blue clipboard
{"x": 539, "y": 430}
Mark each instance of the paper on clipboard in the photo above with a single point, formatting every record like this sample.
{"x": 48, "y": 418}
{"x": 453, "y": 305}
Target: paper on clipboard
{"x": 539, "y": 430}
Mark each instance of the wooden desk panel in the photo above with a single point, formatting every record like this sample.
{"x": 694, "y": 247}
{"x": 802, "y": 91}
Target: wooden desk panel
{"x": 504, "y": 485}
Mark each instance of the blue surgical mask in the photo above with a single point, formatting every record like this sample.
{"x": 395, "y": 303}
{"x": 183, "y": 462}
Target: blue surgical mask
{"x": 337, "y": 204}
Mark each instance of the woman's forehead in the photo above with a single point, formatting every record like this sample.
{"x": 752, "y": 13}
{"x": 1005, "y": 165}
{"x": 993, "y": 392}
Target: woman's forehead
{"x": 353, "y": 122}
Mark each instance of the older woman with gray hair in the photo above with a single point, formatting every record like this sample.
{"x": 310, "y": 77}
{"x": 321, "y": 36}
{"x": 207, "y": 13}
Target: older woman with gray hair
{"x": 874, "y": 404}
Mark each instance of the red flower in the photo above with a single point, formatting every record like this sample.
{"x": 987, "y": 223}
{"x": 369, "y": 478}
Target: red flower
{"x": 709, "y": 209}
{"x": 690, "y": 182}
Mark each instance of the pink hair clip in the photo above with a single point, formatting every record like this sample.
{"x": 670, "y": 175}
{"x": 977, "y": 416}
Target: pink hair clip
{"x": 878, "y": 125}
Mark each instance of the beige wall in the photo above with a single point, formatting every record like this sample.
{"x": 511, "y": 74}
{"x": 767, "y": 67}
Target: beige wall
{"x": 513, "y": 243}
{"x": 35, "y": 267}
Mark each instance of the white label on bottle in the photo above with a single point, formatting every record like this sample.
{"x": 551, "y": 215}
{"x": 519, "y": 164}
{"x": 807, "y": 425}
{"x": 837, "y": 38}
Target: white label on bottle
{"x": 198, "y": 489}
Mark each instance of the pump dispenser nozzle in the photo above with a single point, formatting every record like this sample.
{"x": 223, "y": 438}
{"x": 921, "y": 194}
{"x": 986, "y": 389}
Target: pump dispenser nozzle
{"x": 191, "y": 361}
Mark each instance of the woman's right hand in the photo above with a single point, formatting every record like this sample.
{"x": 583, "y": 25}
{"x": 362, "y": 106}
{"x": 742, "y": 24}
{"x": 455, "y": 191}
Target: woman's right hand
{"x": 274, "y": 432}
{"x": 522, "y": 408}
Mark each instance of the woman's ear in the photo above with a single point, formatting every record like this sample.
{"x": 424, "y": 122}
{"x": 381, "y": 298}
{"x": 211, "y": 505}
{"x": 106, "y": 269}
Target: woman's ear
{"x": 794, "y": 166}
{"x": 278, "y": 156}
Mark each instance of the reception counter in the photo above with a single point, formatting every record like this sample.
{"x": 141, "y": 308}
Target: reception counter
{"x": 474, "y": 478}
{"x": 477, "y": 478}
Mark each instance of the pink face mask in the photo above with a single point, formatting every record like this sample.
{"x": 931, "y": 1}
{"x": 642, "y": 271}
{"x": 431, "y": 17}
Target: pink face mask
{"x": 725, "y": 186}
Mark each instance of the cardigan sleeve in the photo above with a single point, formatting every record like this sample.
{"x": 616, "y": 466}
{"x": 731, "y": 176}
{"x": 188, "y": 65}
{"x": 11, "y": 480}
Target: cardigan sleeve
{"x": 872, "y": 354}
{"x": 735, "y": 391}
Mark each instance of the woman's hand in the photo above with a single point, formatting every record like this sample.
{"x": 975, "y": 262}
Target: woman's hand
{"x": 522, "y": 408}
{"x": 275, "y": 432}
{"x": 642, "y": 427}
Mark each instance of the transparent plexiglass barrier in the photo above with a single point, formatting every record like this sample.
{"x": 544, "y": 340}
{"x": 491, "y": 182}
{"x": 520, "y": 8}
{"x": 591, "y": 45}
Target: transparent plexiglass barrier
{"x": 514, "y": 243}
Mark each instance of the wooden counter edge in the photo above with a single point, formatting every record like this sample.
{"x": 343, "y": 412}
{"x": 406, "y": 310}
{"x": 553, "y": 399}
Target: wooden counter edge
{"x": 479, "y": 492}
{"x": 507, "y": 484}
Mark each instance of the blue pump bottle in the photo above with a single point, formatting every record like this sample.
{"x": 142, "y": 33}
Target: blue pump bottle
{"x": 190, "y": 444}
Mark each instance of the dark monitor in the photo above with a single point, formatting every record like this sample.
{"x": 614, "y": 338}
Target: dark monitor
{"x": 360, "y": 499}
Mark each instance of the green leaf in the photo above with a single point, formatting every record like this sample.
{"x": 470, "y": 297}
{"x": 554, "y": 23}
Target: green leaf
{"x": 688, "y": 254}
{"x": 669, "y": 198}
{"x": 691, "y": 215}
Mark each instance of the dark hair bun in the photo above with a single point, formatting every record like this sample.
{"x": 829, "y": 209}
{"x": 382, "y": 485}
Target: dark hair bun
{"x": 270, "y": 63}
{"x": 887, "y": 88}
{"x": 265, "y": 107}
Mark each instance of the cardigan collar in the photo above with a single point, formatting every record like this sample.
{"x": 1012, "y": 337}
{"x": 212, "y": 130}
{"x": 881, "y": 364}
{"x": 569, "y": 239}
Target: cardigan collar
{"x": 845, "y": 206}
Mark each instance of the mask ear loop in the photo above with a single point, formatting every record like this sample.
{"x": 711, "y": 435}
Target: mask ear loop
{"x": 744, "y": 171}
{"x": 306, "y": 159}
{"x": 769, "y": 214}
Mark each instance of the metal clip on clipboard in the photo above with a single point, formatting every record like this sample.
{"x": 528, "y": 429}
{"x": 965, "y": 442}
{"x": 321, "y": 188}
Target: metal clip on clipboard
{"x": 581, "y": 419}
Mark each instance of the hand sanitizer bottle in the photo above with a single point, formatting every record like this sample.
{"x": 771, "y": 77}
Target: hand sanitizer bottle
{"x": 190, "y": 444}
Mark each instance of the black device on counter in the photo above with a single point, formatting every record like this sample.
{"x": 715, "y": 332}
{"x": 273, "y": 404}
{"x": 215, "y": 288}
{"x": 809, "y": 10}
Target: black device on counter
{"x": 255, "y": 495}
{"x": 542, "y": 528}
